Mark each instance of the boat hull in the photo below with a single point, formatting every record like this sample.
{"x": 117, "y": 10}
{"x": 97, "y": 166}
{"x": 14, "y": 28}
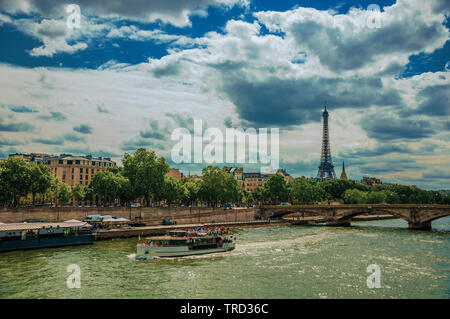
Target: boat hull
{"x": 148, "y": 252}
{"x": 46, "y": 242}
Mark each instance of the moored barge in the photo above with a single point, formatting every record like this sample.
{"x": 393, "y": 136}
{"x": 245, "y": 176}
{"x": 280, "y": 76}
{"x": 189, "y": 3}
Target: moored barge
{"x": 19, "y": 236}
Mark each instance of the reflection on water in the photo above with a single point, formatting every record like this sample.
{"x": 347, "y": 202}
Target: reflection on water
{"x": 268, "y": 262}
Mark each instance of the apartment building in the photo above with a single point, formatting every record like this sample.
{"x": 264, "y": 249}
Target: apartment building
{"x": 74, "y": 170}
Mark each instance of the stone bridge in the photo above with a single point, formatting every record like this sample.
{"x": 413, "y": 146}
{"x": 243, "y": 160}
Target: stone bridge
{"x": 418, "y": 216}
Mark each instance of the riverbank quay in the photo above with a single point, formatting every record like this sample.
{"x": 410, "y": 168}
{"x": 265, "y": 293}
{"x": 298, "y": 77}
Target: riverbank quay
{"x": 151, "y": 216}
{"x": 104, "y": 234}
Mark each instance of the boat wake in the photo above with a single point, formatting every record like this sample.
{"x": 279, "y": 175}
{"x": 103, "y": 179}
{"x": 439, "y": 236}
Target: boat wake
{"x": 285, "y": 243}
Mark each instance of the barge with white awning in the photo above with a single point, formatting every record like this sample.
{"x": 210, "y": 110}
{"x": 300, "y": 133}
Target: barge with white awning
{"x": 19, "y": 236}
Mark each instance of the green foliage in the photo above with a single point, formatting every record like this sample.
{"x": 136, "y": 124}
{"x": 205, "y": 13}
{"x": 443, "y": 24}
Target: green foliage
{"x": 192, "y": 189}
{"x": 146, "y": 173}
{"x": 258, "y": 194}
{"x": 306, "y": 191}
{"x": 391, "y": 197}
{"x": 218, "y": 186}
{"x": 63, "y": 192}
{"x": 40, "y": 179}
{"x": 276, "y": 189}
{"x": 376, "y": 197}
{"x": 173, "y": 190}
{"x": 355, "y": 196}
{"x": 15, "y": 180}
{"x": 335, "y": 188}
{"x": 107, "y": 184}
{"x": 19, "y": 178}
{"x": 79, "y": 192}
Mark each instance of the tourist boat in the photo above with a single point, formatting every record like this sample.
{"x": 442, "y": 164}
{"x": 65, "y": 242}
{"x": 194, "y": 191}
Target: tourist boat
{"x": 179, "y": 243}
{"x": 41, "y": 235}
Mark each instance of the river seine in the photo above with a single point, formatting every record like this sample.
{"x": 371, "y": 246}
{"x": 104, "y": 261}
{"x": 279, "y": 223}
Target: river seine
{"x": 269, "y": 262}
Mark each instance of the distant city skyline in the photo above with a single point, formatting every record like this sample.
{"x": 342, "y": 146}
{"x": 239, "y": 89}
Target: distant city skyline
{"x": 130, "y": 75}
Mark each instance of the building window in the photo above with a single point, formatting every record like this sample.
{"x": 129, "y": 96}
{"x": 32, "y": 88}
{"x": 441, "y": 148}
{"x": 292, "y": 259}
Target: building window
{"x": 69, "y": 162}
{"x": 73, "y": 170}
{"x": 92, "y": 171}
{"x": 81, "y": 177}
{"x": 77, "y": 162}
{"x": 87, "y": 177}
{"x": 81, "y": 170}
{"x": 60, "y": 162}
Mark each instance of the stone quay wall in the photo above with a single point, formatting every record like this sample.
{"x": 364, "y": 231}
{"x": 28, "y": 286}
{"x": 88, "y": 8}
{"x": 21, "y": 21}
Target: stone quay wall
{"x": 149, "y": 215}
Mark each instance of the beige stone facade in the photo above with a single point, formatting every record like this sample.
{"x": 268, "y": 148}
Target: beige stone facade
{"x": 74, "y": 170}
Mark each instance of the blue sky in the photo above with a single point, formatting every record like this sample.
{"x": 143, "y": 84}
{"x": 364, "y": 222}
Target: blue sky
{"x": 100, "y": 89}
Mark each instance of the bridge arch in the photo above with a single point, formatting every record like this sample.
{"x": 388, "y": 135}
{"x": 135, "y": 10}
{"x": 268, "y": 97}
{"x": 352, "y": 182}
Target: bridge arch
{"x": 399, "y": 214}
{"x": 418, "y": 216}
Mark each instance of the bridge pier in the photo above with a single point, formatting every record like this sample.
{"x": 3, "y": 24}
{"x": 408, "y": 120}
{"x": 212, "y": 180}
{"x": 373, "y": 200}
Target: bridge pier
{"x": 419, "y": 226}
{"x": 340, "y": 223}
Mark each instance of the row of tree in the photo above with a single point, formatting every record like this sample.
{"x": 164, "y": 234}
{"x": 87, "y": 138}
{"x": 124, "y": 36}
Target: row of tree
{"x": 302, "y": 190}
{"x": 143, "y": 177}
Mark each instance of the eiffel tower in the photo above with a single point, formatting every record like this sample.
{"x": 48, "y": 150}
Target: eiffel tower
{"x": 326, "y": 168}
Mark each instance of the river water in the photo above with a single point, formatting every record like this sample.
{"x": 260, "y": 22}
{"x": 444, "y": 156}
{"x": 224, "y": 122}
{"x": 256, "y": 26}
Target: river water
{"x": 269, "y": 262}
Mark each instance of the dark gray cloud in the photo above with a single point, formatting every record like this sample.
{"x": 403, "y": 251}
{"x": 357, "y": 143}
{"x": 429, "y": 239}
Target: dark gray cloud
{"x": 15, "y": 127}
{"x": 171, "y": 69}
{"x": 60, "y": 140}
{"x": 275, "y": 101}
{"x": 440, "y": 6}
{"x": 103, "y": 110}
{"x": 83, "y": 129}
{"x": 437, "y": 175}
{"x": 184, "y": 121}
{"x": 446, "y": 126}
{"x": 131, "y": 146}
{"x": 173, "y": 10}
{"x": 388, "y": 148}
{"x": 7, "y": 142}
{"x": 155, "y": 131}
{"x": 379, "y": 150}
{"x": 391, "y": 70}
{"x": 5, "y": 152}
{"x": 383, "y": 165}
{"x": 57, "y": 116}
{"x": 21, "y": 109}
{"x": 434, "y": 101}
{"x": 73, "y": 137}
{"x": 50, "y": 141}
{"x": 397, "y": 166}
{"x": 388, "y": 128}
{"x": 228, "y": 122}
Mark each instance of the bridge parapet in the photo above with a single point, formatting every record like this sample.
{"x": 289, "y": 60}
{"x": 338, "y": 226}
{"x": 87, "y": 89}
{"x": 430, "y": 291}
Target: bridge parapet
{"x": 418, "y": 216}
